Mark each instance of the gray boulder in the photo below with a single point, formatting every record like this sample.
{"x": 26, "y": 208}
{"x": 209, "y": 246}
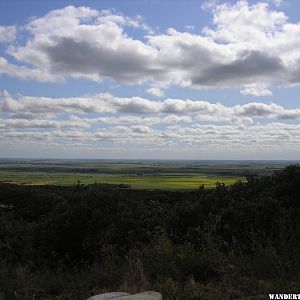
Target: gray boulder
{"x": 108, "y": 296}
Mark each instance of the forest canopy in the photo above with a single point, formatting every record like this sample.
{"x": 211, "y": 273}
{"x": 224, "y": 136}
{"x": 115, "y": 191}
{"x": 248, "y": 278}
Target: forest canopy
{"x": 70, "y": 242}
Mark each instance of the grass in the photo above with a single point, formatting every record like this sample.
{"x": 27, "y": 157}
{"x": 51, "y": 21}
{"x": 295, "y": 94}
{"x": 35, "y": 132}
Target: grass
{"x": 162, "y": 181}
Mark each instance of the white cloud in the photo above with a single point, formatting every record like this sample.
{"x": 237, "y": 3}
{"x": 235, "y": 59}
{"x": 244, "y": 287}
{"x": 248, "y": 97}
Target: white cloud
{"x": 191, "y": 141}
{"x": 7, "y": 33}
{"x": 97, "y": 41}
{"x": 165, "y": 111}
{"x": 210, "y": 4}
{"x": 133, "y": 119}
{"x": 255, "y": 90}
{"x": 244, "y": 23}
{"x": 141, "y": 129}
{"x": 247, "y": 47}
{"x": 189, "y": 27}
{"x": 23, "y": 123}
{"x": 155, "y": 91}
{"x": 26, "y": 73}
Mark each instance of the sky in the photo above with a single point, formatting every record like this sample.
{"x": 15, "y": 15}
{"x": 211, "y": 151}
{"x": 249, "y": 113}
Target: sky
{"x": 150, "y": 79}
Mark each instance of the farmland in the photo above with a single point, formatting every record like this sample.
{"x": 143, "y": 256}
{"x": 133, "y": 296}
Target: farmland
{"x": 166, "y": 175}
{"x": 168, "y": 182}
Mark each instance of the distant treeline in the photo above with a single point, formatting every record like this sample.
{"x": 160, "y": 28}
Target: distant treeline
{"x": 227, "y": 243}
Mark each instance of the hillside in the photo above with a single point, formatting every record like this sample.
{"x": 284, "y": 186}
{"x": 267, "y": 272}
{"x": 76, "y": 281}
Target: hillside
{"x": 230, "y": 242}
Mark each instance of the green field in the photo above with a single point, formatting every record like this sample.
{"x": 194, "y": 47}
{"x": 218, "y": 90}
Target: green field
{"x": 139, "y": 174}
{"x": 164, "y": 181}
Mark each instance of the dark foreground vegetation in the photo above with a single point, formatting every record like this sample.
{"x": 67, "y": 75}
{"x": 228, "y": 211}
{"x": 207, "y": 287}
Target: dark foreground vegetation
{"x": 233, "y": 242}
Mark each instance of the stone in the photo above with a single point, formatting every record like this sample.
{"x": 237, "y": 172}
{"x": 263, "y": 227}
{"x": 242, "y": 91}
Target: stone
{"x": 108, "y": 296}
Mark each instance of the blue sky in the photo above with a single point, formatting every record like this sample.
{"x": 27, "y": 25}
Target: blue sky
{"x": 150, "y": 79}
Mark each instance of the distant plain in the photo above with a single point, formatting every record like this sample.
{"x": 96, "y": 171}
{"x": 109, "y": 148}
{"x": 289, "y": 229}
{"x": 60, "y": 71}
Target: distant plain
{"x": 144, "y": 174}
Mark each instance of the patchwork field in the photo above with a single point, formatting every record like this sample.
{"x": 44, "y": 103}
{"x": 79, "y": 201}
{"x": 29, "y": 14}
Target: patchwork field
{"x": 167, "y": 175}
{"x": 167, "y": 182}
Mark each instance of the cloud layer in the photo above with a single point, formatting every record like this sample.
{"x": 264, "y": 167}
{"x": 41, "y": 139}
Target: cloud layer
{"x": 103, "y": 121}
{"x": 33, "y": 107}
{"x": 249, "y": 47}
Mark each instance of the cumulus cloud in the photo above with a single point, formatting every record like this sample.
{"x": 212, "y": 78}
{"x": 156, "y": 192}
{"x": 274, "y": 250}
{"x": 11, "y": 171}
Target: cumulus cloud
{"x": 166, "y": 111}
{"x": 23, "y": 123}
{"x": 195, "y": 139}
{"x": 255, "y": 65}
{"x": 249, "y": 46}
{"x": 134, "y": 119}
{"x": 103, "y": 121}
{"x": 209, "y": 4}
{"x": 26, "y": 73}
{"x": 7, "y": 33}
{"x": 255, "y": 90}
{"x": 97, "y": 41}
{"x": 155, "y": 91}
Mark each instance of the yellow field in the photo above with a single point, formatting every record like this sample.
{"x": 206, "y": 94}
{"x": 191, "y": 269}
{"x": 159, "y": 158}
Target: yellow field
{"x": 165, "y": 181}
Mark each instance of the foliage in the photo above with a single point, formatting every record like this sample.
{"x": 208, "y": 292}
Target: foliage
{"x": 225, "y": 243}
